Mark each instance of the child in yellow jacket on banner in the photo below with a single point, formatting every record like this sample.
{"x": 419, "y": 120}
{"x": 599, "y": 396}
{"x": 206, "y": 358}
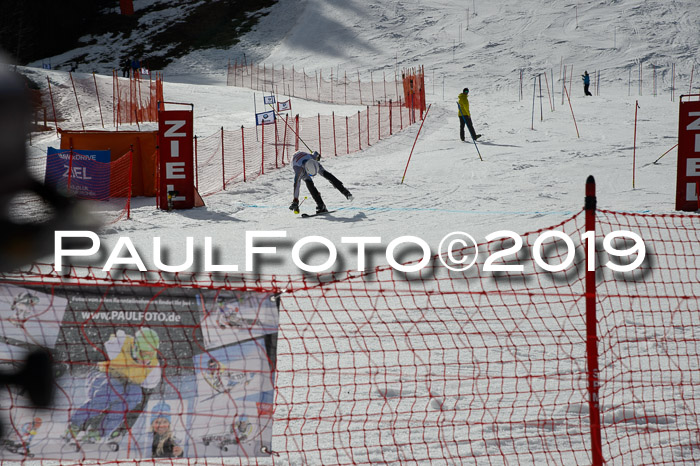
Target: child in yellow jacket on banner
{"x": 117, "y": 389}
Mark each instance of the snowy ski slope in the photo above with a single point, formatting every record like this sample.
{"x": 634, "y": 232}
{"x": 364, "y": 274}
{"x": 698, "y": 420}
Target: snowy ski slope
{"x": 529, "y": 179}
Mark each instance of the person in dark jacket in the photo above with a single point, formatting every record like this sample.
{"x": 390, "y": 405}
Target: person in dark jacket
{"x": 135, "y": 66}
{"x": 464, "y": 116}
{"x": 126, "y": 67}
{"x": 586, "y": 82}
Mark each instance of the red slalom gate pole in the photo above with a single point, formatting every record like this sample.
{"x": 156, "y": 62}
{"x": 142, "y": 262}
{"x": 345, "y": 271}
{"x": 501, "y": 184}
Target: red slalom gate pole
{"x": 223, "y": 165}
{"x": 131, "y": 172}
{"x": 572, "y": 112}
{"x": 70, "y": 168}
{"x": 390, "y": 115}
{"x": 55, "y": 117}
{"x": 676, "y": 145}
{"x": 414, "y": 144}
{"x": 347, "y": 136}
{"x": 284, "y": 142}
{"x": 319, "y": 132}
{"x": 117, "y": 109}
{"x": 546, "y": 81}
{"x": 276, "y": 140}
{"x": 673, "y": 80}
{"x": 359, "y": 130}
{"x": 592, "y": 327}
{"x": 262, "y": 147}
{"x": 368, "y": 143}
{"x": 243, "y": 148}
{"x": 690, "y": 89}
{"x": 97, "y": 93}
{"x": 296, "y": 143}
{"x": 335, "y": 144}
{"x": 76, "y": 101}
{"x": 634, "y": 145}
{"x": 196, "y": 165}
{"x": 114, "y": 115}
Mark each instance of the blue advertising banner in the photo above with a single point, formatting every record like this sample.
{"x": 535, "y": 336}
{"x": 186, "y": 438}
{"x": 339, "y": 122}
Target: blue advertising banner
{"x": 265, "y": 118}
{"x": 89, "y": 172}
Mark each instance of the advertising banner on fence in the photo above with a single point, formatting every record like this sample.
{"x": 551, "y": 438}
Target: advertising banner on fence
{"x": 143, "y": 372}
{"x": 265, "y": 118}
{"x": 688, "y": 175}
{"x": 176, "y": 166}
{"x": 285, "y": 106}
{"x": 85, "y": 173}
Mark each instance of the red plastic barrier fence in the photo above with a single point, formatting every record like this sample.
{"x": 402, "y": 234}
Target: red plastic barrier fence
{"x": 228, "y": 157}
{"x": 446, "y": 367}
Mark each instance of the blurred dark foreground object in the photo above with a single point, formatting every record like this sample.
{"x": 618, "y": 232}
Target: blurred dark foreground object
{"x": 22, "y": 243}
{"x": 35, "y": 379}
{"x": 25, "y": 241}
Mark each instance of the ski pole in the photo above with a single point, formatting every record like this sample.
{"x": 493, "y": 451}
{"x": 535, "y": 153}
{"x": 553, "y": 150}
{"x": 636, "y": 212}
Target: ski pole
{"x": 665, "y": 153}
{"x": 474, "y": 140}
{"x": 302, "y": 201}
{"x": 477, "y": 149}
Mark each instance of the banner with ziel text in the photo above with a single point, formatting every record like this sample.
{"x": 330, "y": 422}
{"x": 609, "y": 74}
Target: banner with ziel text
{"x": 83, "y": 173}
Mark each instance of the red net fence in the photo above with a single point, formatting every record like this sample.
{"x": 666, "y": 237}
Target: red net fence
{"x": 136, "y": 99}
{"x": 335, "y": 89}
{"x": 229, "y": 157}
{"x": 85, "y": 101}
{"x": 380, "y": 366}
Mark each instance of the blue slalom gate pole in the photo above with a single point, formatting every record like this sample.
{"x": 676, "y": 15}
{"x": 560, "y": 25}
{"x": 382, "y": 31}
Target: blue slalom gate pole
{"x": 465, "y": 123}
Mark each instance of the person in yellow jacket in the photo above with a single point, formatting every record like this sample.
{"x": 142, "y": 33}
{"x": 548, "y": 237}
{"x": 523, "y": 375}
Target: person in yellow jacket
{"x": 132, "y": 366}
{"x": 464, "y": 116}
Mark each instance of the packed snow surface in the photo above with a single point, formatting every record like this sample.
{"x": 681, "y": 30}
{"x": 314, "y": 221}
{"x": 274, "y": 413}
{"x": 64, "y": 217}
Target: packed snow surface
{"x": 538, "y": 147}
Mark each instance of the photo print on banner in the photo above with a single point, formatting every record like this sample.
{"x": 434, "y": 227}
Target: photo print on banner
{"x": 143, "y": 372}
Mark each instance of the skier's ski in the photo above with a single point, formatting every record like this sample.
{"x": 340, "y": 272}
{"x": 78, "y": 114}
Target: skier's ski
{"x": 315, "y": 215}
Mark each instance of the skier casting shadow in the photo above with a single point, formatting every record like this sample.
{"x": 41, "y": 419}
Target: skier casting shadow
{"x": 120, "y": 388}
{"x": 306, "y": 166}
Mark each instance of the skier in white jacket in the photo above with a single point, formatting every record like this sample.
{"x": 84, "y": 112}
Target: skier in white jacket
{"x": 306, "y": 166}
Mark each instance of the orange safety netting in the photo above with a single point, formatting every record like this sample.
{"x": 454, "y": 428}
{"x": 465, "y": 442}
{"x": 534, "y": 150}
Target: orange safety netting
{"x": 436, "y": 366}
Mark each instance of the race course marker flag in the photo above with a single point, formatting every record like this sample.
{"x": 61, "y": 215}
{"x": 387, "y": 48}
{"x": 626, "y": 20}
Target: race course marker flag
{"x": 285, "y": 106}
{"x": 265, "y": 118}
